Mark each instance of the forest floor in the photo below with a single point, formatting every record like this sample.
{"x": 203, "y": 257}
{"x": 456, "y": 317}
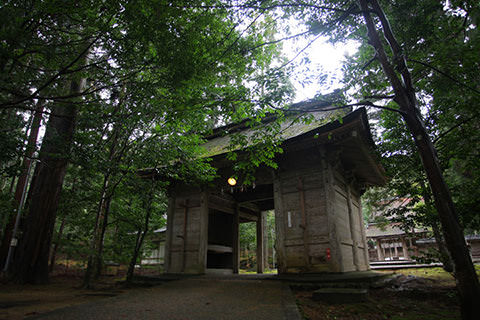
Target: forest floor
{"x": 64, "y": 290}
{"x": 424, "y": 293}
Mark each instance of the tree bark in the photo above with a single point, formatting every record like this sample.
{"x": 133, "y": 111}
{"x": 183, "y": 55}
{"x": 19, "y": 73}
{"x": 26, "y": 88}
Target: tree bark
{"x": 95, "y": 256}
{"x": 95, "y": 260}
{"x": 22, "y": 180}
{"x": 30, "y": 263}
{"x": 467, "y": 282}
{"x": 141, "y": 234}
{"x": 445, "y": 257}
{"x": 99, "y": 256}
{"x": 56, "y": 245}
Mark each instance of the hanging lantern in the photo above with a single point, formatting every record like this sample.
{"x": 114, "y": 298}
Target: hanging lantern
{"x": 231, "y": 181}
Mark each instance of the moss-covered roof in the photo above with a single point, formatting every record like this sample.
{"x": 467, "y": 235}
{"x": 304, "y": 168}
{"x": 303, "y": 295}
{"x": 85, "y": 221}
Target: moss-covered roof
{"x": 296, "y": 124}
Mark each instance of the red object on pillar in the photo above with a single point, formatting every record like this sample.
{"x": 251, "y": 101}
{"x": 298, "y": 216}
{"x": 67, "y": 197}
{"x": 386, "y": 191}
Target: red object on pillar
{"x": 328, "y": 254}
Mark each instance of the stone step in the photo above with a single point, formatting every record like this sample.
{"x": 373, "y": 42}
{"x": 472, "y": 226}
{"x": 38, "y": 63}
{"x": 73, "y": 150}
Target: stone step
{"x": 356, "y": 280}
{"x": 340, "y": 295}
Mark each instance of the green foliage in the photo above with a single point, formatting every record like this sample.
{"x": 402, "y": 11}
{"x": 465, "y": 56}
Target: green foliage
{"x": 160, "y": 76}
{"x": 248, "y": 240}
{"x": 440, "y": 43}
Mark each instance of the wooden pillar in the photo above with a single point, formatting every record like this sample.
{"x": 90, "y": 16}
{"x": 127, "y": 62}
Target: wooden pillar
{"x": 279, "y": 225}
{"x": 260, "y": 260}
{"x": 395, "y": 250}
{"x": 336, "y": 260}
{"x": 380, "y": 254}
{"x": 414, "y": 247}
{"x": 236, "y": 241}
{"x": 169, "y": 233}
{"x": 184, "y": 235}
{"x": 363, "y": 235}
{"x": 265, "y": 241}
{"x": 203, "y": 232}
{"x": 405, "y": 249}
{"x": 353, "y": 236}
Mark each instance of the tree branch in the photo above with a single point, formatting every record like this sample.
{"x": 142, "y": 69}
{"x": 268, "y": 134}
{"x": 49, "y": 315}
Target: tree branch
{"x": 54, "y": 77}
{"x": 445, "y": 75}
{"x": 259, "y": 7}
{"x": 443, "y": 134}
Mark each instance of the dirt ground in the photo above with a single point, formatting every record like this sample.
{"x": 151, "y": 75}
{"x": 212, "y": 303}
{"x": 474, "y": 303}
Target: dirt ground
{"x": 427, "y": 293}
{"x": 418, "y": 294}
{"x": 22, "y": 301}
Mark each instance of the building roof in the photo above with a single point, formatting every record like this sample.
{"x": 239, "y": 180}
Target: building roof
{"x": 375, "y": 231}
{"x": 162, "y": 229}
{"x": 468, "y": 237}
{"x": 349, "y": 131}
{"x": 300, "y": 120}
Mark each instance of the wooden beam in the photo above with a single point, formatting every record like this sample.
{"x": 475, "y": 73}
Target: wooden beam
{"x": 260, "y": 221}
{"x": 248, "y": 216}
{"x": 169, "y": 233}
{"x": 381, "y": 257}
{"x": 279, "y": 225}
{"x": 236, "y": 241}
{"x": 351, "y": 219}
{"x": 250, "y": 207}
{"x": 185, "y": 217}
{"x": 261, "y": 192}
{"x": 203, "y": 231}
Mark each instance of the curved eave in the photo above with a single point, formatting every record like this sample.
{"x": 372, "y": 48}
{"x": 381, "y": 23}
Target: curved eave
{"x": 353, "y": 137}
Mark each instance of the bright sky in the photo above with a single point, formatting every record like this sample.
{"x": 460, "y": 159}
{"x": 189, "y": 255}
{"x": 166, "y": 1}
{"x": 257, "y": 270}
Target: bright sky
{"x": 323, "y": 58}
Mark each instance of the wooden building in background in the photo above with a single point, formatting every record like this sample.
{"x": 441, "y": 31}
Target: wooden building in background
{"x": 315, "y": 192}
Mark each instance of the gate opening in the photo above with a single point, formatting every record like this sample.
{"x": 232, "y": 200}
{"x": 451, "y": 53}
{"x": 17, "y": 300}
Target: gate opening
{"x": 249, "y": 251}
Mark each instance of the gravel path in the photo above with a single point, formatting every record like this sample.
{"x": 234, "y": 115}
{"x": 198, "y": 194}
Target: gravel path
{"x": 192, "y": 299}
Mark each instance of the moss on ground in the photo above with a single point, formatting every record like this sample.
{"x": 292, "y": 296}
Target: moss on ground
{"x": 436, "y": 299}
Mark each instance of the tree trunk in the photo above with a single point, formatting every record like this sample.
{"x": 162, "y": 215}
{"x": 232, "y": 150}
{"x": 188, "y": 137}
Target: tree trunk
{"x": 99, "y": 256}
{"x": 140, "y": 238}
{"x": 95, "y": 262}
{"x": 31, "y": 258}
{"x": 445, "y": 257}
{"x": 56, "y": 246}
{"x": 95, "y": 256}
{"x": 467, "y": 282}
{"x": 22, "y": 180}
{"x": 133, "y": 260}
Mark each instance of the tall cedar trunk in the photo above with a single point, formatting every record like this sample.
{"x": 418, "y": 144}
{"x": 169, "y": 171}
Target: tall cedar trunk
{"x": 22, "y": 180}
{"x": 467, "y": 282}
{"x": 141, "y": 235}
{"x": 30, "y": 263}
{"x": 6, "y": 217}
